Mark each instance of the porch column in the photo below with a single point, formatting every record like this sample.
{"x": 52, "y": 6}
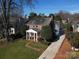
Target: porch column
{"x": 29, "y": 35}
{"x": 34, "y": 37}
{"x": 26, "y": 35}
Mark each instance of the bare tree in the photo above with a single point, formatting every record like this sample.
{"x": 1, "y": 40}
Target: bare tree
{"x": 7, "y": 7}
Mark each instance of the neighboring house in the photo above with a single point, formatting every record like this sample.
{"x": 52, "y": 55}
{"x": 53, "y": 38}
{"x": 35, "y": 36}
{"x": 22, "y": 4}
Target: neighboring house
{"x": 64, "y": 21}
{"x": 35, "y": 26}
{"x": 57, "y": 27}
{"x": 16, "y": 24}
{"x": 75, "y": 25}
{"x": 67, "y": 20}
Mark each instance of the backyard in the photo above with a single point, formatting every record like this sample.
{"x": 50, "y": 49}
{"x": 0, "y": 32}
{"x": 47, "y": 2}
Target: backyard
{"x": 22, "y": 49}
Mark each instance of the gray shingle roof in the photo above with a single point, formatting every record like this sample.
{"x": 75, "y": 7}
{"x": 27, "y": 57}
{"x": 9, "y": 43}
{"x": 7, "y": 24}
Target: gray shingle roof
{"x": 40, "y": 21}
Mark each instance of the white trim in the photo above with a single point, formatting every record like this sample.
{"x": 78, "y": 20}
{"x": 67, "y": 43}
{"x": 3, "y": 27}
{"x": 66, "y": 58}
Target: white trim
{"x": 31, "y": 31}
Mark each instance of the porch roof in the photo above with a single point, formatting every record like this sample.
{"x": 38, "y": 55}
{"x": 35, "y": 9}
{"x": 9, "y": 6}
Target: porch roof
{"x": 31, "y": 31}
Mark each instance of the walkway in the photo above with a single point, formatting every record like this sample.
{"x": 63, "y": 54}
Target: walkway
{"x": 52, "y": 50}
{"x": 64, "y": 50}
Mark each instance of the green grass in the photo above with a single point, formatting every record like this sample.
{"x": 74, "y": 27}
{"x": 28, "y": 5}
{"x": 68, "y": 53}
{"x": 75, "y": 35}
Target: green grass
{"x": 74, "y": 55}
{"x": 17, "y": 50}
{"x": 38, "y": 45}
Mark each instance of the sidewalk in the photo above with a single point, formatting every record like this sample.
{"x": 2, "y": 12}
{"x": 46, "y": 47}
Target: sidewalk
{"x": 64, "y": 51}
{"x": 52, "y": 50}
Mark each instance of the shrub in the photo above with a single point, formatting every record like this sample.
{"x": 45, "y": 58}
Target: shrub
{"x": 68, "y": 27}
{"x": 46, "y": 33}
{"x": 74, "y": 55}
{"x": 73, "y": 39}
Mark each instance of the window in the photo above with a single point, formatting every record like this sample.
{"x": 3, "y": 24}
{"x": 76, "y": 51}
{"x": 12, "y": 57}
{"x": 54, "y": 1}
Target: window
{"x": 12, "y": 31}
{"x": 36, "y": 26}
{"x": 33, "y": 26}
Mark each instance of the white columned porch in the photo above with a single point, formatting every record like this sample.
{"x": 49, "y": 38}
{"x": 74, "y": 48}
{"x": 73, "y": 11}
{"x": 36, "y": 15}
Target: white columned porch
{"x": 32, "y": 34}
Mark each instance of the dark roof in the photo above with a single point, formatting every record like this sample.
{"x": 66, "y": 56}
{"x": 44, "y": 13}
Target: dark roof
{"x": 13, "y": 19}
{"x": 39, "y": 21}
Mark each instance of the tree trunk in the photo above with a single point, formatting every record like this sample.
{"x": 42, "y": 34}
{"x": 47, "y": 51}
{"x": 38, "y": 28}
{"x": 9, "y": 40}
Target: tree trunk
{"x": 6, "y": 15}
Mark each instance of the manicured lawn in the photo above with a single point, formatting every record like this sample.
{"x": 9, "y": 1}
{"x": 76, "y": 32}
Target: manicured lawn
{"x": 37, "y": 45}
{"x": 17, "y": 50}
